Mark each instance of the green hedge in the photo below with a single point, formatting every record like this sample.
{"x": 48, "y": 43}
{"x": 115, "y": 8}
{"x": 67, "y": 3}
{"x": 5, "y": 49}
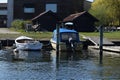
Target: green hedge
{"x": 19, "y": 24}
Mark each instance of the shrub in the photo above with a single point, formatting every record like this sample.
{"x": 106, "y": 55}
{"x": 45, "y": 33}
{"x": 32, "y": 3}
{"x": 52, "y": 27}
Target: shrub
{"x": 18, "y": 24}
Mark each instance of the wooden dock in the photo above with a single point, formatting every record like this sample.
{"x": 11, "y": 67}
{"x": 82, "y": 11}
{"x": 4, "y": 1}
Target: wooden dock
{"x": 115, "y": 49}
{"x": 107, "y": 45}
{"x": 46, "y": 43}
{"x": 96, "y": 40}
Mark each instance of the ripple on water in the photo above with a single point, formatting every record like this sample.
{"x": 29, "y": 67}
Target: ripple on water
{"x": 67, "y": 69}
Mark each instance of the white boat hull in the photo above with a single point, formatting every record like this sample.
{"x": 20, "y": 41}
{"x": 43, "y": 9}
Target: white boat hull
{"x": 27, "y": 43}
{"x": 29, "y": 46}
{"x": 63, "y": 46}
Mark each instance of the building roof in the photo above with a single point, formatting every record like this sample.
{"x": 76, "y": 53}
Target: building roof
{"x": 45, "y": 13}
{"x": 76, "y": 15}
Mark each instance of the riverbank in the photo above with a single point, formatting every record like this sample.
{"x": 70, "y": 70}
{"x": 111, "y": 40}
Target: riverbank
{"x": 112, "y": 36}
{"x": 6, "y": 33}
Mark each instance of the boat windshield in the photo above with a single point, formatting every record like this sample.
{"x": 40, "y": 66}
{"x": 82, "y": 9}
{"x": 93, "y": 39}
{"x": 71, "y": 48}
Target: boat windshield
{"x": 66, "y": 36}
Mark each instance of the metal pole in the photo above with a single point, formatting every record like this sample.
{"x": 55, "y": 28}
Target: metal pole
{"x": 101, "y": 44}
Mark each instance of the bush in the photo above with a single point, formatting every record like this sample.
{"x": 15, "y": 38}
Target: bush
{"x": 19, "y": 24}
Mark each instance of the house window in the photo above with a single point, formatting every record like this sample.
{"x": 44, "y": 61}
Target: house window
{"x": 29, "y": 10}
{"x": 3, "y": 12}
{"x": 52, "y": 7}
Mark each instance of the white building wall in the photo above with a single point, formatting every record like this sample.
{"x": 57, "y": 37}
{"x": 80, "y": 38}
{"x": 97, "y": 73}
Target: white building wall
{"x": 10, "y": 12}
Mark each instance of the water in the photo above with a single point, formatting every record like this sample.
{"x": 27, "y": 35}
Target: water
{"x": 36, "y": 65}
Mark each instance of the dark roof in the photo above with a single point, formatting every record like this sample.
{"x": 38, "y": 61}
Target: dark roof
{"x": 44, "y": 13}
{"x": 76, "y": 15}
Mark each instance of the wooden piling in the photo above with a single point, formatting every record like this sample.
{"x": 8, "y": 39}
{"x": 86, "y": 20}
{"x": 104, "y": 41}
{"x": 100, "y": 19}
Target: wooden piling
{"x": 57, "y": 47}
{"x": 0, "y": 45}
{"x": 101, "y": 44}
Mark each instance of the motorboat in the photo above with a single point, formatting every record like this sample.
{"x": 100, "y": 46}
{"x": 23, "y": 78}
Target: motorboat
{"x": 68, "y": 40}
{"x": 27, "y": 43}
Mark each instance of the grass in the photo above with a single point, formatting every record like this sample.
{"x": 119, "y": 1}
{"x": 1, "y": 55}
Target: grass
{"x": 35, "y": 35}
{"x": 38, "y": 35}
{"x": 47, "y": 35}
{"x": 110, "y": 35}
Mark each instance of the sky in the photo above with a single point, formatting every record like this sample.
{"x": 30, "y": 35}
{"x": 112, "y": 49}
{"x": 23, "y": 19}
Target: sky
{"x": 5, "y": 1}
{"x": 90, "y": 0}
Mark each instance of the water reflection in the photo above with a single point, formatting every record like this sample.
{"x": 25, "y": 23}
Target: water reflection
{"x": 42, "y": 65}
{"x": 73, "y": 56}
{"x": 32, "y": 56}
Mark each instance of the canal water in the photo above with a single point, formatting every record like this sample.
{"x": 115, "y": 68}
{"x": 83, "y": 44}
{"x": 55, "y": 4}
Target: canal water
{"x": 43, "y": 65}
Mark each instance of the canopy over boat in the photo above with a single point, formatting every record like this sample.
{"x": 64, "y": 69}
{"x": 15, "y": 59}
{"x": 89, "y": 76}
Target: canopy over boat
{"x": 65, "y": 30}
{"x": 65, "y": 34}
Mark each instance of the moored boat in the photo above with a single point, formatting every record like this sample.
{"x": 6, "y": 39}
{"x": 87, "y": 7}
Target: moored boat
{"x": 68, "y": 40}
{"x": 27, "y": 43}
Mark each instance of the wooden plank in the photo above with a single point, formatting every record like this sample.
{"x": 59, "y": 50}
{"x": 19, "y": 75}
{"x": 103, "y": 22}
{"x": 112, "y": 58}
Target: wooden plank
{"x": 96, "y": 40}
{"x": 108, "y": 48}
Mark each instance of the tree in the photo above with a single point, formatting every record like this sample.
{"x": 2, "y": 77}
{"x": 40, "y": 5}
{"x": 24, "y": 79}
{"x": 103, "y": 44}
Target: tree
{"x": 107, "y": 11}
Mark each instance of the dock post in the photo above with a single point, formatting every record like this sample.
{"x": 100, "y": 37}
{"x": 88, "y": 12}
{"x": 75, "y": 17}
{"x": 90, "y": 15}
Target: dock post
{"x": 57, "y": 46}
{"x": 0, "y": 45}
{"x": 101, "y": 44}
{"x": 7, "y": 42}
